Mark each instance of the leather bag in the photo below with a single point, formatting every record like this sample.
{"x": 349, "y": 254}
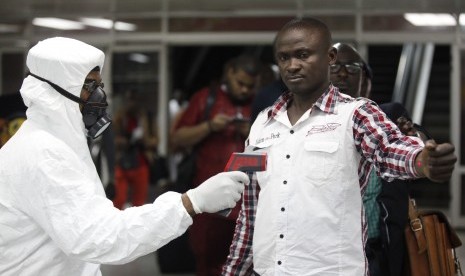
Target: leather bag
{"x": 431, "y": 243}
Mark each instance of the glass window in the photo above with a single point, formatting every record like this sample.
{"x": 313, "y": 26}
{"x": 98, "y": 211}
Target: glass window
{"x": 228, "y": 5}
{"x": 400, "y": 6}
{"x": 231, "y": 24}
{"x": 136, "y": 71}
{"x": 236, "y": 24}
{"x": 388, "y": 22}
{"x": 134, "y": 25}
{"x": 462, "y": 119}
{"x": 125, "y": 6}
{"x": 462, "y": 200}
{"x": 12, "y": 72}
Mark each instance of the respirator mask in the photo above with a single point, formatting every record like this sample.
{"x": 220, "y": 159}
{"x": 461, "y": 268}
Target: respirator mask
{"x": 94, "y": 110}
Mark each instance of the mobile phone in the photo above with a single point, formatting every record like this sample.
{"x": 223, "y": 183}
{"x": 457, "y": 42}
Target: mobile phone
{"x": 241, "y": 119}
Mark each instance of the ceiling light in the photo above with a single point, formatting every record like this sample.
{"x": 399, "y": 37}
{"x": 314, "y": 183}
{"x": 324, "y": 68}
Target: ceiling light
{"x": 462, "y": 19}
{"x": 98, "y": 22}
{"x": 123, "y": 26}
{"x": 140, "y": 58}
{"x": 430, "y": 19}
{"x": 57, "y": 23}
{"x": 108, "y": 24}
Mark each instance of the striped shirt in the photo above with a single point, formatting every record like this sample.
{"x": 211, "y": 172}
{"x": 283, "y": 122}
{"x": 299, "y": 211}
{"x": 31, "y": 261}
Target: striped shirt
{"x": 371, "y": 206}
{"x": 377, "y": 140}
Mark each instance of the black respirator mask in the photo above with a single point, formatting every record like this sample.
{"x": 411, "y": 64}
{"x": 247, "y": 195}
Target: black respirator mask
{"x": 94, "y": 110}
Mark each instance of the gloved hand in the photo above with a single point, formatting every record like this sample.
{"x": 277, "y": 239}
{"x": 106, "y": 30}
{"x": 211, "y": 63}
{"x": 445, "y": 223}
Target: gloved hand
{"x": 219, "y": 192}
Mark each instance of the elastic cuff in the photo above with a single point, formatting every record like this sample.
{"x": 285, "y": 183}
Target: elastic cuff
{"x": 411, "y": 168}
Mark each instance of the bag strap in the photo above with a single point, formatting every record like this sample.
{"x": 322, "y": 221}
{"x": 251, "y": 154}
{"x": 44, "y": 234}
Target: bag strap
{"x": 416, "y": 225}
{"x": 208, "y": 107}
{"x": 210, "y": 101}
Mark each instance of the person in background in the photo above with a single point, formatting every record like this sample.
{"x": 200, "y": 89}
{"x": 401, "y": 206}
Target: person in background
{"x": 56, "y": 219}
{"x": 351, "y": 74}
{"x": 388, "y": 246}
{"x": 177, "y": 105}
{"x": 213, "y": 139}
{"x": 304, "y": 214}
{"x": 133, "y": 140}
{"x": 385, "y": 203}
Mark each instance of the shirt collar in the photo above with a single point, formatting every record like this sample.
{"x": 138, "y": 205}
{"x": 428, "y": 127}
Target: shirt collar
{"x": 326, "y": 102}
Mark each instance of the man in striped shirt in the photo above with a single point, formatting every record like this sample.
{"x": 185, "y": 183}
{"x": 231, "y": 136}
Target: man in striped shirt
{"x": 303, "y": 215}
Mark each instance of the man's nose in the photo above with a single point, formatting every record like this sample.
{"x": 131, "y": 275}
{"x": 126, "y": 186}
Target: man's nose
{"x": 245, "y": 89}
{"x": 294, "y": 65}
{"x": 343, "y": 71}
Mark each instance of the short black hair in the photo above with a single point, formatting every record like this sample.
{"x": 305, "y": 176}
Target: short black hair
{"x": 306, "y": 23}
{"x": 247, "y": 63}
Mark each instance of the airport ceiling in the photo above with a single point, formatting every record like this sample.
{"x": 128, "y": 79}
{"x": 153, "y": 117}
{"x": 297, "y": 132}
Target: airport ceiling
{"x": 24, "y": 9}
{"x": 161, "y": 17}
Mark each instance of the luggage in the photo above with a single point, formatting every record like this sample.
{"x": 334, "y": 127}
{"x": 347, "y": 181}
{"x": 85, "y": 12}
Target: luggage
{"x": 431, "y": 243}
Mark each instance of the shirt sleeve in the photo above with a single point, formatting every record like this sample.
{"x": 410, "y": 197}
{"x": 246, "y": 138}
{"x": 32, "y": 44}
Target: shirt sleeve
{"x": 382, "y": 144}
{"x": 239, "y": 261}
{"x": 194, "y": 111}
{"x": 85, "y": 225}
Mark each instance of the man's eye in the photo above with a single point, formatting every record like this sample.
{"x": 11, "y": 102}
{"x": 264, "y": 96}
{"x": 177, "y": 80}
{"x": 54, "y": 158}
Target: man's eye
{"x": 282, "y": 58}
{"x": 303, "y": 55}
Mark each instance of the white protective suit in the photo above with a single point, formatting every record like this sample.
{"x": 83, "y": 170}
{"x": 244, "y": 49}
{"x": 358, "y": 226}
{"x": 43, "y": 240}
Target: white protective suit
{"x": 54, "y": 216}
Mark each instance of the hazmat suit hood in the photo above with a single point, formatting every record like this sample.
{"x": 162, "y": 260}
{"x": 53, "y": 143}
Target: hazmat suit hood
{"x": 65, "y": 62}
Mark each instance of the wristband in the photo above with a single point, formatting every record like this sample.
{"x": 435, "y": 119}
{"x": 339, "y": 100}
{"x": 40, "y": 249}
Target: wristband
{"x": 191, "y": 194}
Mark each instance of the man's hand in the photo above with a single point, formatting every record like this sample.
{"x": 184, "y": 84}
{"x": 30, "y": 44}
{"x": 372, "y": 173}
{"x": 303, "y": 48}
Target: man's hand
{"x": 217, "y": 193}
{"x": 220, "y": 122}
{"x": 243, "y": 127}
{"x": 436, "y": 162}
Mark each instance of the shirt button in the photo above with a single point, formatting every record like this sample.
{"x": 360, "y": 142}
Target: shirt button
{"x": 281, "y": 236}
{"x": 292, "y": 131}
{"x": 283, "y": 209}
{"x": 285, "y": 182}
{"x": 288, "y": 156}
{"x": 279, "y": 262}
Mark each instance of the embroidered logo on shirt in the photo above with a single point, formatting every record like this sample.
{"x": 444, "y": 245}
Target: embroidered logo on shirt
{"x": 323, "y": 128}
{"x": 263, "y": 139}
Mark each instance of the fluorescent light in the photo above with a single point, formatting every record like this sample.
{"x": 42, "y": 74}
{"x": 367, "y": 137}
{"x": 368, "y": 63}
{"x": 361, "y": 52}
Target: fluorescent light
{"x": 123, "y": 26}
{"x": 57, "y": 23}
{"x": 98, "y": 22}
{"x": 430, "y": 19}
{"x": 140, "y": 58}
{"x": 108, "y": 24}
{"x": 462, "y": 19}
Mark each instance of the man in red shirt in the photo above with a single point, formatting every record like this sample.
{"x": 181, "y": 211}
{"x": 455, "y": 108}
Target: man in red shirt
{"x": 214, "y": 139}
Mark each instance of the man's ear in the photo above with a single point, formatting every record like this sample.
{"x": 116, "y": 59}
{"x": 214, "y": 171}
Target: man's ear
{"x": 332, "y": 55}
{"x": 229, "y": 72}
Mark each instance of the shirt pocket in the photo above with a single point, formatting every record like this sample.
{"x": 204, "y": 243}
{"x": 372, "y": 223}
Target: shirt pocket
{"x": 321, "y": 161}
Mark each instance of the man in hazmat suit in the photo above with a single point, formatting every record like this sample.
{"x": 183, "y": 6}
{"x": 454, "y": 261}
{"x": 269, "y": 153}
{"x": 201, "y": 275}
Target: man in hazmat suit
{"x": 54, "y": 216}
